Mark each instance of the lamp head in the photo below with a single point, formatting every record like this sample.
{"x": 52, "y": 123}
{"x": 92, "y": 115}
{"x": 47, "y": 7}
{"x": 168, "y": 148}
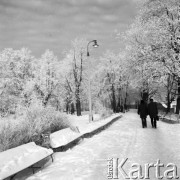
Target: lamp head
{"x": 95, "y": 45}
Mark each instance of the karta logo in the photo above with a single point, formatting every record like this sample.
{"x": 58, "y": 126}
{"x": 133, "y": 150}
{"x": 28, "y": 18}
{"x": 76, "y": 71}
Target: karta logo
{"x": 116, "y": 170}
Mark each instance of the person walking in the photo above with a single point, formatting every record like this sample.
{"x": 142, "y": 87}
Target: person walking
{"x": 143, "y": 112}
{"x": 153, "y": 112}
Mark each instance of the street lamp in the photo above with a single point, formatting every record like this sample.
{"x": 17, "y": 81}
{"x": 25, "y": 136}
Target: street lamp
{"x": 95, "y": 45}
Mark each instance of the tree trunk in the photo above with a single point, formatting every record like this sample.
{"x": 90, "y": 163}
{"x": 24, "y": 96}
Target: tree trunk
{"x": 168, "y": 107}
{"x": 113, "y": 99}
{"x": 178, "y": 98}
{"x": 72, "y": 108}
{"x": 126, "y": 95}
{"x": 78, "y": 102}
{"x": 67, "y": 107}
{"x": 145, "y": 96}
{"x": 57, "y": 105}
{"x": 46, "y": 99}
{"x": 118, "y": 108}
{"x": 78, "y": 107}
{"x": 125, "y": 101}
{"x": 168, "y": 103}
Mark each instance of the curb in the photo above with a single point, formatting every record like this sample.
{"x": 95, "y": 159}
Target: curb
{"x": 169, "y": 121}
{"x": 78, "y": 140}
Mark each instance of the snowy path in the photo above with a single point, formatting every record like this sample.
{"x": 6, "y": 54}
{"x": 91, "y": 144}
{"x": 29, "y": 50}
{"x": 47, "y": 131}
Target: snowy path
{"x": 124, "y": 139}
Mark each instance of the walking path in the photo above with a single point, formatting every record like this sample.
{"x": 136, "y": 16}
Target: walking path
{"x": 124, "y": 139}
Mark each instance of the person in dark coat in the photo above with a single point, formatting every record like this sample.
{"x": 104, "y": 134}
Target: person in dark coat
{"x": 143, "y": 112}
{"x": 153, "y": 112}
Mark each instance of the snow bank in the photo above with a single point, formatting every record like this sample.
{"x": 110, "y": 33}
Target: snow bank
{"x": 21, "y": 157}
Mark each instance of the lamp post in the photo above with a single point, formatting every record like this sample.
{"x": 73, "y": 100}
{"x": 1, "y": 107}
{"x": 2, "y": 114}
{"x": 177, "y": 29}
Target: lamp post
{"x": 95, "y": 45}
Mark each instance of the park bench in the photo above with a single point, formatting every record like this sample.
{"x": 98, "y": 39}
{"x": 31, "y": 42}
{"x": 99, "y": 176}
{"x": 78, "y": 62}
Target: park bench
{"x": 63, "y": 137}
{"x": 68, "y": 137}
{"x": 19, "y": 158}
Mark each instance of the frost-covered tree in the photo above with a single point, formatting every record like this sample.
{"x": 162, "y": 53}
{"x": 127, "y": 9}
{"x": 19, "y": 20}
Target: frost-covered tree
{"x": 16, "y": 71}
{"x": 74, "y": 62}
{"x": 154, "y": 38}
{"x": 46, "y": 76}
{"x": 111, "y": 80}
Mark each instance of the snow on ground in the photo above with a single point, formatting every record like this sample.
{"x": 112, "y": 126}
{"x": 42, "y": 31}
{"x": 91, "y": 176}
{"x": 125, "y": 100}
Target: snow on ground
{"x": 124, "y": 139}
{"x": 82, "y": 120}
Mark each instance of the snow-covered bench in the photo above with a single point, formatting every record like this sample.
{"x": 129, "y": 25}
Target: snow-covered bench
{"x": 68, "y": 137}
{"x": 63, "y": 137}
{"x": 17, "y": 159}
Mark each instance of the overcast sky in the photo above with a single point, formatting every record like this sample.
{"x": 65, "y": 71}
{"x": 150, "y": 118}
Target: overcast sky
{"x": 53, "y": 24}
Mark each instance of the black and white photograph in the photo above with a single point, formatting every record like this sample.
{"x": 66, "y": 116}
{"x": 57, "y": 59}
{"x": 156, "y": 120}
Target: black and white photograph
{"x": 89, "y": 89}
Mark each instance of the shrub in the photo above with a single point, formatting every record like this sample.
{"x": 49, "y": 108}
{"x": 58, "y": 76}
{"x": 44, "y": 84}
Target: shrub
{"x": 98, "y": 107}
{"x": 103, "y": 111}
{"x": 106, "y": 113}
{"x": 35, "y": 122}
